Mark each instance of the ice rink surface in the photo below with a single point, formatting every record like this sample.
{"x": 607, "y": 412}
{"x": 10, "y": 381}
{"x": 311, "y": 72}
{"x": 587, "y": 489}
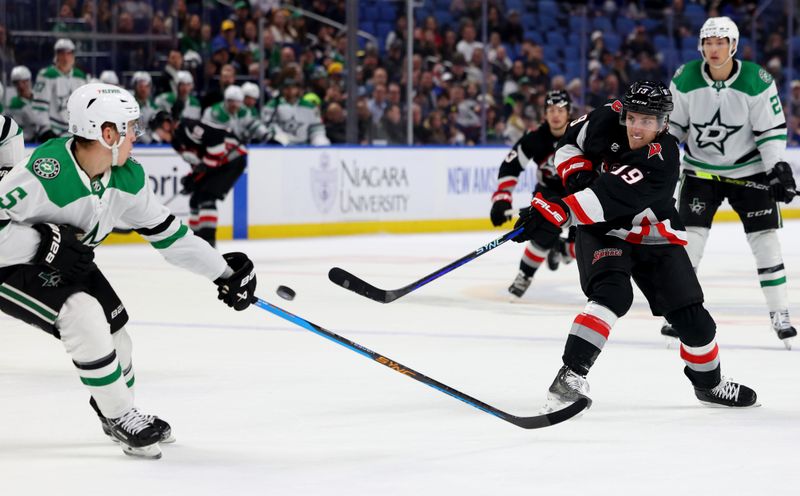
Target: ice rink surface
{"x": 260, "y": 406}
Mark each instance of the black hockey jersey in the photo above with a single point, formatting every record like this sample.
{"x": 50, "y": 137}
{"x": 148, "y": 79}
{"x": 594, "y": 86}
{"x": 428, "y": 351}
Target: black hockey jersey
{"x": 203, "y": 145}
{"x": 538, "y": 146}
{"x": 632, "y": 198}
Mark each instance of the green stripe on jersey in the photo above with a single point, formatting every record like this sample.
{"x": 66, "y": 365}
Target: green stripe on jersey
{"x": 167, "y": 242}
{"x": 103, "y": 381}
{"x": 781, "y": 137}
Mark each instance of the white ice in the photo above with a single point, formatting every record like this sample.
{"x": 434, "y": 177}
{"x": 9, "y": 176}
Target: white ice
{"x": 260, "y": 406}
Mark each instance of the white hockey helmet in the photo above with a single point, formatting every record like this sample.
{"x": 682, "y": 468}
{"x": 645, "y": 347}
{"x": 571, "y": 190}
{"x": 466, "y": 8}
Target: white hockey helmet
{"x": 20, "y": 73}
{"x": 65, "y": 44}
{"x": 251, "y": 90}
{"x": 143, "y": 76}
{"x": 109, "y": 77}
{"x": 184, "y": 77}
{"x": 234, "y": 93}
{"x": 719, "y": 27}
{"x": 94, "y": 104}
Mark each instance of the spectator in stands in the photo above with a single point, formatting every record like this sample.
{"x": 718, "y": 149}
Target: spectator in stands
{"x": 7, "y": 58}
{"x": 775, "y": 68}
{"x": 282, "y": 31}
{"x": 393, "y": 60}
{"x": 595, "y": 97}
{"x": 622, "y": 70}
{"x": 475, "y": 68}
{"x": 775, "y": 47}
{"x": 575, "y": 90}
{"x": 398, "y": 33}
{"x": 458, "y": 69}
{"x": 377, "y": 103}
{"x": 468, "y": 42}
{"x": 364, "y": 121}
{"x": 20, "y": 107}
{"x": 241, "y": 14}
{"x": 166, "y": 82}
{"x": 394, "y": 95}
{"x": 436, "y": 131}
{"x": 390, "y": 130}
{"x": 227, "y": 36}
{"x": 649, "y": 70}
{"x": 598, "y": 48}
{"x": 191, "y": 37}
{"x": 467, "y": 113}
{"x": 499, "y": 59}
{"x": 513, "y": 33}
{"x": 558, "y": 82}
{"x": 515, "y": 125}
{"x": 227, "y": 77}
{"x": 181, "y": 104}
{"x": 511, "y": 84}
{"x": 448, "y": 50}
{"x": 219, "y": 58}
{"x": 638, "y": 42}
{"x": 335, "y": 125}
{"x": 611, "y": 86}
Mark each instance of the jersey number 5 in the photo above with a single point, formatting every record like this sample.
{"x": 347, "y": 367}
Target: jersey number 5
{"x": 632, "y": 174}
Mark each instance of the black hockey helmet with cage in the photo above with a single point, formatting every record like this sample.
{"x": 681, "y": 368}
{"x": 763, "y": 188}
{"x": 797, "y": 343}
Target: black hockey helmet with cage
{"x": 559, "y": 98}
{"x": 647, "y": 97}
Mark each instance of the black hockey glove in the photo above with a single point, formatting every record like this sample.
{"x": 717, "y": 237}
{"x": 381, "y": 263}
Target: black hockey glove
{"x": 61, "y": 250}
{"x": 580, "y": 181}
{"x": 781, "y": 182}
{"x": 238, "y": 290}
{"x": 542, "y": 220}
{"x": 501, "y": 204}
{"x": 188, "y": 184}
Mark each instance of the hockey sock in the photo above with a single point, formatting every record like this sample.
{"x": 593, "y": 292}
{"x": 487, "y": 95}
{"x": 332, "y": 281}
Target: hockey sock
{"x": 85, "y": 335}
{"x": 588, "y": 335}
{"x": 766, "y": 249}
{"x": 124, "y": 347}
{"x": 699, "y": 351}
{"x": 532, "y": 258}
{"x": 696, "y": 237}
{"x": 207, "y": 221}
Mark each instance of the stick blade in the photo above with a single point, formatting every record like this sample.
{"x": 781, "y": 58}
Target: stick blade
{"x": 552, "y": 418}
{"x": 350, "y": 282}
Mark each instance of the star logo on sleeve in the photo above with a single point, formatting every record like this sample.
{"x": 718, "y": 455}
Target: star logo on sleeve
{"x": 714, "y": 133}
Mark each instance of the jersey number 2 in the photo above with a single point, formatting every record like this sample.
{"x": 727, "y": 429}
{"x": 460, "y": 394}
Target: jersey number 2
{"x": 632, "y": 174}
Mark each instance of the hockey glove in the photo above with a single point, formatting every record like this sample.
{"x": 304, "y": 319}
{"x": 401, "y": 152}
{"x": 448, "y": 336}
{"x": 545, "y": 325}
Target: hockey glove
{"x": 238, "y": 290}
{"x": 781, "y": 182}
{"x": 61, "y": 250}
{"x": 501, "y": 208}
{"x": 541, "y": 220}
{"x": 576, "y": 173}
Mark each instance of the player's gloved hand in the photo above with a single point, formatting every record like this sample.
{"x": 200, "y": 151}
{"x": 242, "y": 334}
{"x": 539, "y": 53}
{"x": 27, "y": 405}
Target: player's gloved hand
{"x": 501, "y": 208}
{"x": 576, "y": 173}
{"x": 61, "y": 250}
{"x": 541, "y": 220}
{"x": 580, "y": 181}
{"x": 188, "y": 184}
{"x": 237, "y": 290}
{"x": 177, "y": 109}
{"x": 46, "y": 135}
{"x": 781, "y": 182}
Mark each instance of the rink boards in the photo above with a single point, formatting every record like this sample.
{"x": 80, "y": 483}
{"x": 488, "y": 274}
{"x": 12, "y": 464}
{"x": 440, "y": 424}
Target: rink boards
{"x": 309, "y": 191}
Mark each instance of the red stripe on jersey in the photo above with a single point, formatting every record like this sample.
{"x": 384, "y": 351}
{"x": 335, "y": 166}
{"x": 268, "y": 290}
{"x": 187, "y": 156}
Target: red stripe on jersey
{"x": 536, "y": 258}
{"x": 671, "y": 237}
{"x": 507, "y": 185}
{"x": 636, "y": 238}
{"x": 708, "y": 357}
{"x": 576, "y": 208}
{"x": 593, "y": 323}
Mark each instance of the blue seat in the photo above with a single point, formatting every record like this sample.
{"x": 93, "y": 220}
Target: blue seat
{"x": 367, "y": 26}
{"x": 551, "y": 53}
{"x": 576, "y": 23}
{"x": 688, "y": 55}
{"x": 571, "y": 51}
{"x": 603, "y": 24}
{"x": 529, "y": 21}
{"x": 371, "y": 13}
{"x": 555, "y": 38}
{"x": 444, "y": 19}
{"x": 661, "y": 42}
{"x": 613, "y": 41}
{"x": 534, "y": 35}
{"x": 388, "y": 12}
{"x": 382, "y": 29}
{"x": 625, "y": 26}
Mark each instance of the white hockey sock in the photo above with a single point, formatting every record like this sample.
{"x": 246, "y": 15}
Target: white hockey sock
{"x": 86, "y": 337}
{"x": 124, "y": 347}
{"x": 766, "y": 249}
{"x": 696, "y": 237}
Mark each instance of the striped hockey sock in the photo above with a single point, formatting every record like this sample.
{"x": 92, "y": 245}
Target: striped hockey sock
{"x": 588, "y": 335}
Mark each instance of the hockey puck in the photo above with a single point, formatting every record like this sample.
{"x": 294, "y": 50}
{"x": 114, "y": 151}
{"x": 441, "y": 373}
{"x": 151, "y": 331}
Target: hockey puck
{"x": 286, "y": 292}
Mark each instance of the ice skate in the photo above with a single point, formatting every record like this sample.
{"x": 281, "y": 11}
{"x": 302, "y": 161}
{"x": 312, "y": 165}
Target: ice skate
{"x": 567, "y": 388}
{"x": 160, "y": 425}
{"x": 136, "y": 435}
{"x": 670, "y": 334}
{"x": 521, "y": 284}
{"x": 727, "y": 393}
{"x": 783, "y": 327}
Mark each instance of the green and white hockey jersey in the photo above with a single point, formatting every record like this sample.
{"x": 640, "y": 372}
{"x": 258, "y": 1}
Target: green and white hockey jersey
{"x": 21, "y": 109}
{"x": 147, "y": 109}
{"x": 245, "y": 125}
{"x": 50, "y": 95}
{"x": 191, "y": 109}
{"x": 296, "y": 123}
{"x": 12, "y": 146}
{"x": 51, "y": 187}
{"x": 733, "y": 128}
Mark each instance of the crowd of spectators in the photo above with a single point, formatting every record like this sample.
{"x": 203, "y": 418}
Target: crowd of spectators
{"x": 220, "y": 46}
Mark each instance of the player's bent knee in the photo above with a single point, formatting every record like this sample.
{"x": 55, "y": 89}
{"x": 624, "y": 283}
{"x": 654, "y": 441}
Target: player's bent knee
{"x": 83, "y": 326}
{"x": 694, "y": 324}
{"x": 613, "y": 290}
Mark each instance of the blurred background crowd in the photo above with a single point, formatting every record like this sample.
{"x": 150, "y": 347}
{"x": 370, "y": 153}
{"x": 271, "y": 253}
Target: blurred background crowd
{"x": 296, "y": 51}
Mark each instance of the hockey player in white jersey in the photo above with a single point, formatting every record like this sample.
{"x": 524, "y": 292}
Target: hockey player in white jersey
{"x": 20, "y": 107}
{"x": 293, "y": 121}
{"x": 54, "y": 85}
{"x": 233, "y": 116}
{"x": 60, "y": 204}
{"x": 142, "y": 90}
{"x": 12, "y": 146}
{"x": 181, "y": 104}
{"x": 729, "y": 115}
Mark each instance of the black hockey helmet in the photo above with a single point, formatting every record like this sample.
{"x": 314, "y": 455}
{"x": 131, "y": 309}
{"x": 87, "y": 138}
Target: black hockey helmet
{"x": 559, "y": 98}
{"x": 160, "y": 118}
{"x": 647, "y": 97}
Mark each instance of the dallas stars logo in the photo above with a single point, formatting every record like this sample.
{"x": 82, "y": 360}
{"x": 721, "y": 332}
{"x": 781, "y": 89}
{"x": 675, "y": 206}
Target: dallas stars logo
{"x": 714, "y": 133}
{"x": 50, "y": 279}
{"x": 697, "y": 207}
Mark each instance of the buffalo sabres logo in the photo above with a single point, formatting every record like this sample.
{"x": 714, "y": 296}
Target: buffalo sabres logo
{"x": 615, "y": 147}
{"x": 654, "y": 149}
{"x": 47, "y": 168}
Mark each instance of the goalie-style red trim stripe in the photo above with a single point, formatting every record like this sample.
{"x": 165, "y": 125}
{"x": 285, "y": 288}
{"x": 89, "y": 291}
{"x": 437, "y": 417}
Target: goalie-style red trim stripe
{"x": 593, "y": 323}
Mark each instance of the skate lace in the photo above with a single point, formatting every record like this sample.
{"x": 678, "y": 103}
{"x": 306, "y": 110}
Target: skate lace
{"x": 133, "y": 421}
{"x": 780, "y": 320}
{"x": 576, "y": 382}
{"x": 727, "y": 390}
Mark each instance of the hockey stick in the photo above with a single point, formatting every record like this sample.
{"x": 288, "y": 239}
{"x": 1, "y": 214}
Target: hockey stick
{"x": 534, "y": 422}
{"x": 345, "y": 279}
{"x": 723, "y": 179}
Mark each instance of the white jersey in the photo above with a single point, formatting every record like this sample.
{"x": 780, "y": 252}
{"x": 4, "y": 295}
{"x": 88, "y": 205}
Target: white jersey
{"x": 733, "y": 128}
{"x": 51, "y": 187}
{"x": 191, "y": 106}
{"x": 245, "y": 125}
{"x": 50, "y": 95}
{"x": 12, "y": 146}
{"x": 21, "y": 110}
{"x": 296, "y": 123}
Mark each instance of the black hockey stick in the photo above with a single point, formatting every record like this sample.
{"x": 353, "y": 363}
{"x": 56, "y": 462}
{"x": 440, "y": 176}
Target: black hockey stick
{"x": 345, "y": 279}
{"x": 723, "y": 179}
{"x": 535, "y": 422}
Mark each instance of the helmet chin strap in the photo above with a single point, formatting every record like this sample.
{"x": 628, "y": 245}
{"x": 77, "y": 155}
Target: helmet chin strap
{"x": 731, "y": 53}
{"x": 114, "y": 149}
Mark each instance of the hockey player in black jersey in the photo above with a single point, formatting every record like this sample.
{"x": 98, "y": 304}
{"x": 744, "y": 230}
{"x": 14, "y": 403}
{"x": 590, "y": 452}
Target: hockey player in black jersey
{"x": 621, "y": 167}
{"x": 537, "y": 147}
{"x": 217, "y": 159}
